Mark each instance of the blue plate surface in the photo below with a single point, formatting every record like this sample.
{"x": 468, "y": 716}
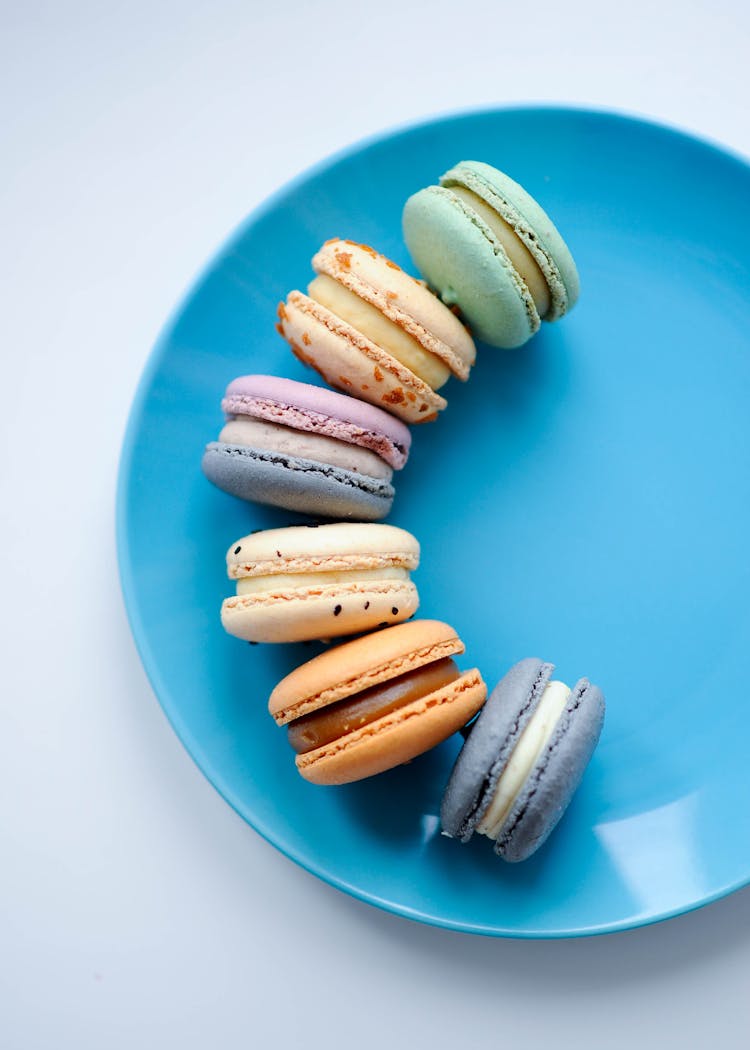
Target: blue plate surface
{"x": 585, "y": 499}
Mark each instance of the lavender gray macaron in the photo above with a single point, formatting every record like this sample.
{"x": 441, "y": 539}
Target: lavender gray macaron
{"x": 304, "y": 448}
{"x": 523, "y": 759}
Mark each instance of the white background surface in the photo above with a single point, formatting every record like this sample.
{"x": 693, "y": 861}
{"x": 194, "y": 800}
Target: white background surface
{"x": 136, "y": 909}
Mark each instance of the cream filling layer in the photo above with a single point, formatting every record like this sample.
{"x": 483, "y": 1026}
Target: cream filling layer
{"x": 531, "y": 744}
{"x": 522, "y": 259}
{"x": 288, "y": 581}
{"x": 275, "y": 437}
{"x": 386, "y": 334}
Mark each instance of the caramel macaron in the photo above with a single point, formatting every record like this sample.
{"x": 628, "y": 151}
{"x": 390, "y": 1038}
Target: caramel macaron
{"x": 376, "y": 702}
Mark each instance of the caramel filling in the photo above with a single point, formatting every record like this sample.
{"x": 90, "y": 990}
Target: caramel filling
{"x": 332, "y": 722}
{"x": 522, "y": 259}
{"x": 385, "y": 333}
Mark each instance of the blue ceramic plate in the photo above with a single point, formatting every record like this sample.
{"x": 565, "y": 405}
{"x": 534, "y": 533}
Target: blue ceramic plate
{"x": 585, "y": 499}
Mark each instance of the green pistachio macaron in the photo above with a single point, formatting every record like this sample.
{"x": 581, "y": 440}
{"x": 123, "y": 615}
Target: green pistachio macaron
{"x": 489, "y": 249}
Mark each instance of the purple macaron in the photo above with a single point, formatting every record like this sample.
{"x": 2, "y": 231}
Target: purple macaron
{"x": 307, "y": 449}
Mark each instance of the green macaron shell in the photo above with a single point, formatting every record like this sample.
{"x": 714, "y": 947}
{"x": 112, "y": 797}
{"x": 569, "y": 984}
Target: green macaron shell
{"x": 462, "y": 260}
{"x": 531, "y": 224}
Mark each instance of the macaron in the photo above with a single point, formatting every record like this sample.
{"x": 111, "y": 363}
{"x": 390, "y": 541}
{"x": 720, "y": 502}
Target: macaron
{"x": 487, "y": 247}
{"x": 306, "y": 448}
{"x": 374, "y": 332}
{"x": 376, "y": 702}
{"x": 523, "y": 759}
{"x": 320, "y": 581}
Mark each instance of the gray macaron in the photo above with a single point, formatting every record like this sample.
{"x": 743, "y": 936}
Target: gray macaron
{"x": 282, "y": 480}
{"x": 556, "y": 772}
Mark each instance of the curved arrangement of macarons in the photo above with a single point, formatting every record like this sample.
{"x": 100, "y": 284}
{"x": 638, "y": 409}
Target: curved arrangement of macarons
{"x": 387, "y": 342}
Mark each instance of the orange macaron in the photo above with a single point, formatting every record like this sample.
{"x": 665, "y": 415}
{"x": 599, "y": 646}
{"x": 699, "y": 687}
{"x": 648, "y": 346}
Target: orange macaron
{"x": 378, "y": 701}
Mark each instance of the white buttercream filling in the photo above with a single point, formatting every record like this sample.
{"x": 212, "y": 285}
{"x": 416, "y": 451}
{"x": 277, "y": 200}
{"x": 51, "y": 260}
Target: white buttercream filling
{"x": 532, "y": 742}
{"x": 287, "y": 581}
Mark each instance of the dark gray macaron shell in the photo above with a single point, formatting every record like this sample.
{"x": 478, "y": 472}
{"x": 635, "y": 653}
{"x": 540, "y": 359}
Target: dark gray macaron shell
{"x": 489, "y": 745}
{"x": 552, "y": 782}
{"x": 297, "y": 484}
{"x": 550, "y": 786}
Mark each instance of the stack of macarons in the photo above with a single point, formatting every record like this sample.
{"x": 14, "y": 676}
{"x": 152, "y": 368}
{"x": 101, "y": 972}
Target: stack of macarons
{"x": 387, "y": 342}
{"x": 308, "y": 449}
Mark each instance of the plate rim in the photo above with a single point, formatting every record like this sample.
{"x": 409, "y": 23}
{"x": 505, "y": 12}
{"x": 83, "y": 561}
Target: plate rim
{"x": 124, "y": 560}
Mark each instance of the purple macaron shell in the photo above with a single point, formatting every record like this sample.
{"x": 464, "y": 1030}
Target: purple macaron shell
{"x": 318, "y": 410}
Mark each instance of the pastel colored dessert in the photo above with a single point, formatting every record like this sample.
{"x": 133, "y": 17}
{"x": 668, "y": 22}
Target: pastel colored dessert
{"x": 375, "y": 332}
{"x": 523, "y": 759}
{"x": 378, "y": 701}
{"x": 306, "y": 448}
{"x": 320, "y": 581}
{"x": 487, "y": 247}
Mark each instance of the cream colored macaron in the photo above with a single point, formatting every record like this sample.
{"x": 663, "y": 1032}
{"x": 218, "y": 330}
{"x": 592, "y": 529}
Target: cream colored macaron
{"x": 376, "y": 702}
{"x": 307, "y": 582}
{"x": 373, "y": 331}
